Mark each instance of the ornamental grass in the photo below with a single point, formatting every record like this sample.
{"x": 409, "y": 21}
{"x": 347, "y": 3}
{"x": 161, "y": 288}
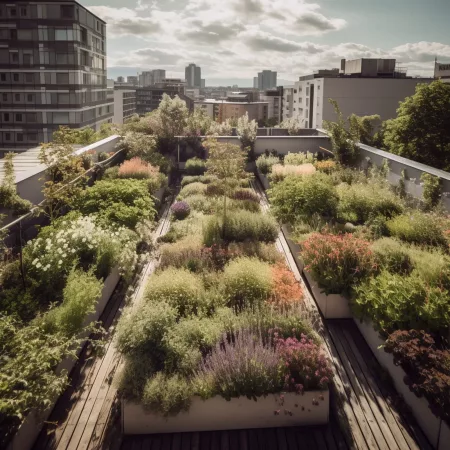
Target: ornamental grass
{"x": 137, "y": 168}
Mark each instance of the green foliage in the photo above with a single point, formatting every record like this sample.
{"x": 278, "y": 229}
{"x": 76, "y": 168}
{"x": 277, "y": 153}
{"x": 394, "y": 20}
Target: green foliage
{"x": 212, "y": 232}
{"x": 417, "y": 228}
{"x": 195, "y": 166}
{"x": 198, "y": 123}
{"x": 295, "y": 197}
{"x": 297, "y": 159}
{"x": 396, "y": 302}
{"x": 420, "y": 131}
{"x": 246, "y": 282}
{"x": 123, "y": 201}
{"x": 246, "y": 130}
{"x": 432, "y": 190}
{"x": 182, "y": 254}
{"x": 80, "y": 295}
{"x": 393, "y": 255}
{"x": 264, "y": 163}
{"x": 180, "y": 288}
{"x": 167, "y": 394}
{"x": 27, "y": 380}
{"x": 192, "y": 189}
{"x": 205, "y": 179}
{"x": 244, "y": 225}
{"x": 360, "y": 202}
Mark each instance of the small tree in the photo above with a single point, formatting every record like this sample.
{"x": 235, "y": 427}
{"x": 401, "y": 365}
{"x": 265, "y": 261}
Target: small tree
{"x": 421, "y": 130}
{"x": 220, "y": 129}
{"x": 293, "y": 125}
{"x": 226, "y": 162}
{"x": 247, "y": 130}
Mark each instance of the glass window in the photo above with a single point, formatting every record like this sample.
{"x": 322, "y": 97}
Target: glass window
{"x": 61, "y": 35}
{"x": 32, "y": 137}
{"x": 31, "y": 117}
{"x": 14, "y": 57}
{"x": 62, "y": 78}
{"x": 27, "y": 59}
{"x": 60, "y": 117}
{"x": 19, "y": 137}
{"x": 25, "y": 35}
{"x": 29, "y": 77}
{"x": 17, "y": 97}
{"x": 63, "y": 98}
{"x": 13, "y": 12}
{"x": 23, "y": 11}
{"x": 13, "y": 34}
{"x": 2, "y": 76}
{"x": 7, "y": 136}
{"x": 15, "y": 77}
{"x": 18, "y": 117}
{"x": 67, "y": 11}
{"x": 61, "y": 58}
{"x": 30, "y": 97}
{"x": 5, "y": 97}
{"x": 5, "y": 117}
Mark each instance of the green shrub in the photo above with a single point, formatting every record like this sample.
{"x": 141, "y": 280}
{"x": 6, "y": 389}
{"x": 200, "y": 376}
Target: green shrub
{"x": 195, "y": 166}
{"x": 179, "y": 288}
{"x": 297, "y": 159}
{"x": 186, "y": 253}
{"x": 246, "y": 282}
{"x": 121, "y": 201}
{"x": 212, "y": 232}
{"x": 348, "y": 175}
{"x": 260, "y": 250}
{"x": 432, "y": 265}
{"x": 245, "y": 205}
{"x": 360, "y": 202}
{"x": 417, "y": 228}
{"x": 296, "y": 197}
{"x": 393, "y": 256}
{"x": 188, "y": 179}
{"x": 206, "y": 205}
{"x": 141, "y": 332}
{"x": 264, "y": 163}
{"x": 398, "y": 302}
{"x": 111, "y": 173}
{"x": 240, "y": 226}
{"x": 192, "y": 189}
{"x": 432, "y": 190}
{"x": 79, "y": 298}
{"x": 167, "y": 394}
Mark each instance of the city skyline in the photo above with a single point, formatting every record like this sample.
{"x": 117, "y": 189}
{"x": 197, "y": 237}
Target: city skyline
{"x": 233, "y": 40}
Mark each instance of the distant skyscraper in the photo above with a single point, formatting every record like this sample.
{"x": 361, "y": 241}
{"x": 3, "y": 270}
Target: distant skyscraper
{"x": 203, "y": 83}
{"x": 151, "y": 77}
{"x": 266, "y": 80}
{"x": 193, "y": 75}
{"x": 53, "y": 71}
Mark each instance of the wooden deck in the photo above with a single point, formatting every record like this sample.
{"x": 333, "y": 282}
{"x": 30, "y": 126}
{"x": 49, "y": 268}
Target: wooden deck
{"x": 366, "y": 412}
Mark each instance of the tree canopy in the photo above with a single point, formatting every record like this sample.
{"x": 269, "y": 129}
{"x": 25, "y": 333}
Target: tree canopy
{"x": 421, "y": 130}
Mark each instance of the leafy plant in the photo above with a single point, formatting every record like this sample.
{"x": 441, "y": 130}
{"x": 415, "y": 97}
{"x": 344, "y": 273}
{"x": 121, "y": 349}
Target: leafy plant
{"x": 297, "y": 197}
{"x": 285, "y": 288}
{"x": 180, "y": 210}
{"x": 297, "y": 159}
{"x": 188, "y": 179}
{"x": 264, "y": 163}
{"x": 195, "y": 166}
{"x": 418, "y": 228}
{"x": 245, "y": 194}
{"x": 246, "y": 130}
{"x": 426, "y": 366}
{"x": 338, "y": 262}
{"x": 246, "y": 282}
{"x": 328, "y": 166}
{"x": 244, "y": 225}
{"x": 192, "y": 189}
{"x": 432, "y": 190}
{"x": 279, "y": 172}
{"x": 393, "y": 255}
{"x": 137, "y": 168}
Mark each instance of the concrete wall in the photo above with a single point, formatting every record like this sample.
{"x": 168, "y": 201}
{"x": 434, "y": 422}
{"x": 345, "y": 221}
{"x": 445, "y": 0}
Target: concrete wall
{"x": 293, "y": 144}
{"x": 413, "y": 171}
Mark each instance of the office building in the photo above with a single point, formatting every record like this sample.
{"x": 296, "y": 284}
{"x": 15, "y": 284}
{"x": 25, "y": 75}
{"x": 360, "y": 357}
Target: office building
{"x": 267, "y": 79}
{"x": 151, "y": 77}
{"x": 193, "y": 76}
{"x": 442, "y": 72}
{"x": 221, "y": 110}
{"x": 52, "y": 71}
{"x": 124, "y": 104}
{"x": 203, "y": 83}
{"x": 362, "y": 87}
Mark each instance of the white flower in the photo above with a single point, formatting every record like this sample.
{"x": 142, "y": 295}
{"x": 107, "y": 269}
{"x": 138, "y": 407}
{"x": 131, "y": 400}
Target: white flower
{"x": 60, "y": 262}
{"x": 38, "y": 265}
{"x": 64, "y": 255}
{"x": 72, "y": 251}
{"x": 83, "y": 240}
{"x": 35, "y": 261}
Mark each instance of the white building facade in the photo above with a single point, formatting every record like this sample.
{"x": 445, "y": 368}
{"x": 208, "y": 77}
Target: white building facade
{"x": 124, "y": 105}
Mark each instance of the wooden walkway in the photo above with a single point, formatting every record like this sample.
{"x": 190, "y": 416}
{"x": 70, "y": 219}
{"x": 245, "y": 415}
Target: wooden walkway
{"x": 365, "y": 412}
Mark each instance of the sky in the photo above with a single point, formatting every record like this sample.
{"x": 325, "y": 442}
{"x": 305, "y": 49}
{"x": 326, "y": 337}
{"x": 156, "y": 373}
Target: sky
{"x": 232, "y": 40}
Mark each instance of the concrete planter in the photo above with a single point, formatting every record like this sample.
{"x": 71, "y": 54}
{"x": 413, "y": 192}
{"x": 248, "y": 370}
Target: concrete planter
{"x": 32, "y": 425}
{"x": 294, "y": 247}
{"x": 332, "y": 306}
{"x": 239, "y": 413}
{"x": 263, "y": 179}
{"x": 436, "y": 430}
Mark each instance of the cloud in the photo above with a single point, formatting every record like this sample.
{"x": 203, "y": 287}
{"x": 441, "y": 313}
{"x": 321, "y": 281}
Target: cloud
{"x": 421, "y": 51}
{"x": 262, "y": 41}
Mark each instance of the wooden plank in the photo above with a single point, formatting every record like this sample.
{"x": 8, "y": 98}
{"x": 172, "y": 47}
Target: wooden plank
{"x": 290, "y": 439}
{"x": 243, "y": 440}
{"x": 215, "y": 440}
{"x": 252, "y": 440}
{"x": 225, "y": 441}
{"x": 176, "y": 441}
{"x": 319, "y": 438}
{"x": 271, "y": 438}
{"x": 185, "y": 441}
{"x": 195, "y": 441}
{"x": 205, "y": 440}
{"x": 329, "y": 439}
{"x": 166, "y": 441}
{"x": 304, "y": 440}
{"x": 393, "y": 434}
{"x": 156, "y": 442}
{"x": 262, "y": 441}
{"x": 234, "y": 439}
{"x": 281, "y": 439}
{"x": 146, "y": 443}
{"x": 377, "y": 422}
{"x": 410, "y": 430}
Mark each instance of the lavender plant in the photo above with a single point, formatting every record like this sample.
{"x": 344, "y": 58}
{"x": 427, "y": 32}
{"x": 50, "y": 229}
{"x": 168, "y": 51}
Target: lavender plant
{"x": 180, "y": 210}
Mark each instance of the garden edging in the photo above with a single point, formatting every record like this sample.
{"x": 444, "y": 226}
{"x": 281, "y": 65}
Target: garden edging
{"x": 34, "y": 421}
{"x": 263, "y": 179}
{"x": 436, "y": 429}
{"x": 238, "y": 413}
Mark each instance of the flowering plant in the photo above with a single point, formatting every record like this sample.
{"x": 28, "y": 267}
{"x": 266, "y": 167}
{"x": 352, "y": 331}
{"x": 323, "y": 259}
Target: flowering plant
{"x": 137, "y": 168}
{"x": 285, "y": 288}
{"x": 180, "y": 210}
{"x": 337, "y": 262}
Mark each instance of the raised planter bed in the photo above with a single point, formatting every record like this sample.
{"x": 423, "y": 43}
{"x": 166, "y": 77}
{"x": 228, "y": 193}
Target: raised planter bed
{"x": 32, "y": 425}
{"x": 294, "y": 247}
{"x": 263, "y": 179}
{"x": 436, "y": 430}
{"x": 332, "y": 306}
{"x": 219, "y": 414}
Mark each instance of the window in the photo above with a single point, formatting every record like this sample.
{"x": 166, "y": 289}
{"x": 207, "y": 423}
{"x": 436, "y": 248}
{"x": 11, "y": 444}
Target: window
{"x": 60, "y": 117}
{"x": 13, "y": 34}
{"x": 5, "y": 117}
{"x": 31, "y": 117}
{"x": 23, "y": 12}
{"x": 5, "y": 97}
{"x": 61, "y": 58}
{"x": 2, "y": 76}
{"x": 32, "y": 137}
{"x": 30, "y": 98}
{"x": 29, "y": 77}
{"x": 15, "y": 77}
{"x": 19, "y": 118}
{"x": 17, "y": 97}
{"x": 27, "y": 60}
{"x": 62, "y": 78}
{"x": 25, "y": 35}
{"x": 14, "y": 57}
{"x": 13, "y": 12}
{"x": 61, "y": 35}
{"x": 67, "y": 11}
{"x": 7, "y": 136}
{"x": 63, "y": 99}
{"x": 19, "y": 137}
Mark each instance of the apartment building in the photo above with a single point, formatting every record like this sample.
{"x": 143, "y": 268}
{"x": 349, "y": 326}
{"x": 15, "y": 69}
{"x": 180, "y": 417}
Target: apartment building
{"x": 221, "y": 110}
{"x": 52, "y": 71}
{"x": 442, "y": 72}
{"x": 193, "y": 76}
{"x": 288, "y": 102}
{"x": 267, "y": 79}
{"x": 361, "y": 87}
{"x": 124, "y": 104}
{"x": 274, "y": 99}
{"x": 151, "y": 77}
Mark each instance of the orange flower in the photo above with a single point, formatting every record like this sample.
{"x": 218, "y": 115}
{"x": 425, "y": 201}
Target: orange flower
{"x": 286, "y": 288}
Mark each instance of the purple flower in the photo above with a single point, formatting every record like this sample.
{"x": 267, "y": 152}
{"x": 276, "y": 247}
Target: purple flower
{"x": 180, "y": 210}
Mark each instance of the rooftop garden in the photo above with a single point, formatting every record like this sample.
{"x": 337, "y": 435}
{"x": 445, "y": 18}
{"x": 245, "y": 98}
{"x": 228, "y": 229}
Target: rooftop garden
{"x": 223, "y": 315}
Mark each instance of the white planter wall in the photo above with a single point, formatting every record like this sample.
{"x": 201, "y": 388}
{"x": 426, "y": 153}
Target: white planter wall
{"x": 239, "y": 413}
{"x": 32, "y": 425}
{"x": 436, "y": 430}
